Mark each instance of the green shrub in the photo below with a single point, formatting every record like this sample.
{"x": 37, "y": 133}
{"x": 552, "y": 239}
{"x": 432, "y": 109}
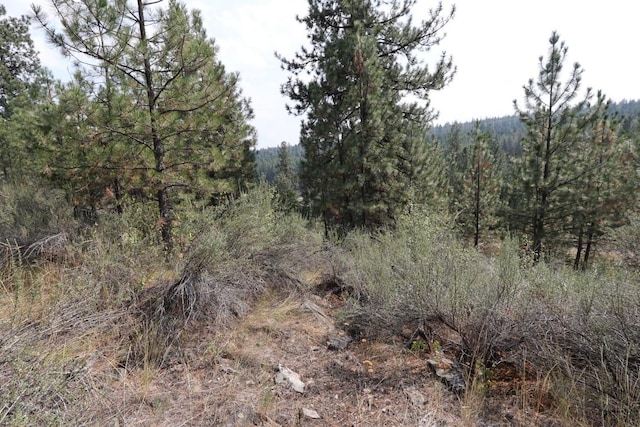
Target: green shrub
{"x": 31, "y": 211}
{"x": 580, "y": 328}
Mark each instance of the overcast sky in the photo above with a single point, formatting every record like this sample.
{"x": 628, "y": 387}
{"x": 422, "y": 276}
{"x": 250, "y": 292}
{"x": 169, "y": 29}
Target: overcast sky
{"x": 494, "y": 43}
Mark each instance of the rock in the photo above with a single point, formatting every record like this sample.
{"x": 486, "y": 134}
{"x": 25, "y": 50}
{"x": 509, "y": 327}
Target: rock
{"x": 336, "y": 342}
{"x": 310, "y": 413}
{"x": 228, "y": 370}
{"x": 286, "y": 376}
{"x": 448, "y": 371}
{"x": 416, "y": 397}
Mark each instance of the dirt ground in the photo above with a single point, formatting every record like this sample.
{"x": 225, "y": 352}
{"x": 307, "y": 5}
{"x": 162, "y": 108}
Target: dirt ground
{"x": 226, "y": 377}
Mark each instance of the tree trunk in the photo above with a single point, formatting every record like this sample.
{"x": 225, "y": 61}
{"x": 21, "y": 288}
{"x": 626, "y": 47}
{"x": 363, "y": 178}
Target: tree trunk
{"x": 164, "y": 206}
{"x": 541, "y": 208}
{"x": 477, "y": 207}
{"x": 117, "y": 191}
{"x": 576, "y": 261}
{"x": 158, "y": 145}
{"x": 538, "y": 232}
{"x": 587, "y": 251}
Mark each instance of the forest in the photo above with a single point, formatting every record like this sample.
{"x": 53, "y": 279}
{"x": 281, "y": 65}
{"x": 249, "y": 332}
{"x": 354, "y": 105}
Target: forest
{"x": 156, "y": 267}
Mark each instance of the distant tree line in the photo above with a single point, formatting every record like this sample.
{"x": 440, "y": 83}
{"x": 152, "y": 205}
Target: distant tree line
{"x": 267, "y": 160}
{"x": 506, "y": 133}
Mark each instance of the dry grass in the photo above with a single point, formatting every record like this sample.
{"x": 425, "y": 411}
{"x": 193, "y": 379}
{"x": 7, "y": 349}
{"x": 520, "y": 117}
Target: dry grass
{"x": 111, "y": 334}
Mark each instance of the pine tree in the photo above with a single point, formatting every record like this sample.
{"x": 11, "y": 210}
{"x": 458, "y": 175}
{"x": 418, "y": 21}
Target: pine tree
{"x": 159, "y": 99}
{"x": 607, "y": 187}
{"x": 23, "y": 89}
{"x": 286, "y": 179}
{"x": 554, "y": 125}
{"x": 481, "y": 187}
{"x": 361, "y": 134}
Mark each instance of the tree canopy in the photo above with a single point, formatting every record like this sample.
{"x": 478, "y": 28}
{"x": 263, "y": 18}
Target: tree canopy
{"x": 160, "y": 114}
{"x": 363, "y": 136}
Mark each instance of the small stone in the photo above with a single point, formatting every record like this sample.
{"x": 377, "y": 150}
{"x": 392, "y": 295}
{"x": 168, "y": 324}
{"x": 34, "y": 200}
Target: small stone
{"x": 448, "y": 371}
{"x": 228, "y": 370}
{"x": 287, "y": 376}
{"x": 310, "y": 413}
{"x": 416, "y": 397}
{"x": 337, "y": 343}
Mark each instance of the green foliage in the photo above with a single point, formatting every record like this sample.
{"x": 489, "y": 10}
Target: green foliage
{"x": 30, "y": 211}
{"x": 553, "y": 161}
{"x": 286, "y": 181}
{"x": 240, "y": 250}
{"x": 153, "y": 111}
{"x": 475, "y": 179}
{"x": 417, "y": 345}
{"x": 606, "y": 189}
{"x": 252, "y": 226}
{"x": 24, "y": 85}
{"x": 508, "y": 131}
{"x": 267, "y": 161}
{"x": 19, "y": 64}
{"x": 363, "y": 140}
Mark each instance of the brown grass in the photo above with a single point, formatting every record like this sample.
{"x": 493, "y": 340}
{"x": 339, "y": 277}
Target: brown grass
{"x": 112, "y": 334}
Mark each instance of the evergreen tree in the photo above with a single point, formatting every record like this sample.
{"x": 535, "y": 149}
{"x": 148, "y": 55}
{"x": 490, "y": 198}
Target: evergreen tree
{"x": 606, "y": 190}
{"x": 23, "y": 89}
{"x": 481, "y": 187}
{"x": 362, "y": 138}
{"x": 159, "y": 102}
{"x": 554, "y": 125}
{"x": 286, "y": 179}
{"x": 20, "y": 68}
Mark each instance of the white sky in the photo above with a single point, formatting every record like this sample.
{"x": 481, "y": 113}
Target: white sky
{"x": 494, "y": 43}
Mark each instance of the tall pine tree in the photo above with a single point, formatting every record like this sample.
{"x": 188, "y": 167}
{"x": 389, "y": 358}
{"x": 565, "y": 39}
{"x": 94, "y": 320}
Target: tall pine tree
{"x": 159, "y": 100}
{"x": 555, "y": 122}
{"x": 24, "y": 84}
{"x": 362, "y": 135}
{"x": 481, "y": 187}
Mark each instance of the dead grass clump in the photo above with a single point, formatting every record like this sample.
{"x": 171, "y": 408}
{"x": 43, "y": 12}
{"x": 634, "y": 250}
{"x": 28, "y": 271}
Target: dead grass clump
{"x": 47, "y": 353}
{"x": 593, "y": 346}
{"x": 219, "y": 296}
{"x": 214, "y": 297}
{"x": 50, "y": 248}
{"x": 249, "y": 248}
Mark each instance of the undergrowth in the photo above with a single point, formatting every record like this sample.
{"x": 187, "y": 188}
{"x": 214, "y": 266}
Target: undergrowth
{"x": 79, "y": 314}
{"x": 578, "y": 330}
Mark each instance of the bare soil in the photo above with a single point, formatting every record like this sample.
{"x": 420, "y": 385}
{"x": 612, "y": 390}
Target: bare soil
{"x": 226, "y": 377}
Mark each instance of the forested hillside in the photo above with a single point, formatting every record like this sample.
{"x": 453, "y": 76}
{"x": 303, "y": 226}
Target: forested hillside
{"x": 267, "y": 161}
{"x": 507, "y": 131}
{"x": 157, "y": 269}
